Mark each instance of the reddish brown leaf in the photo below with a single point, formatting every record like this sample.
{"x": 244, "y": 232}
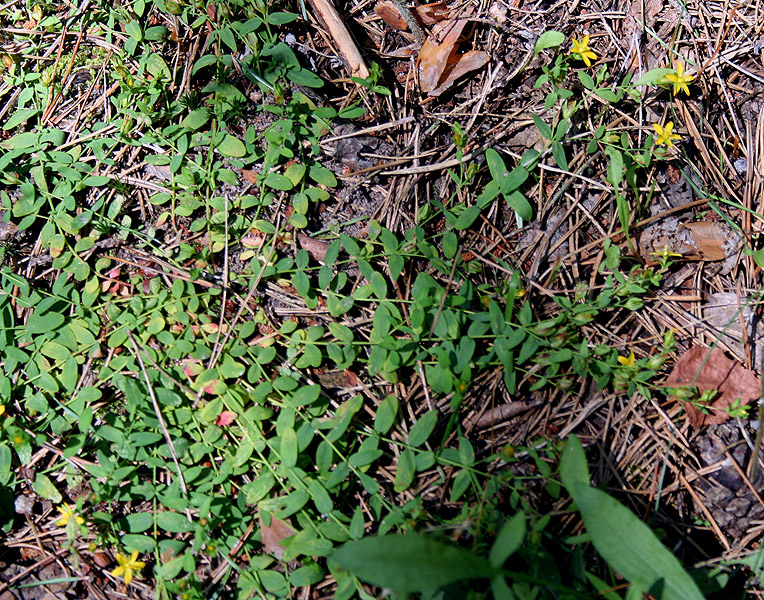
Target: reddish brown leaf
{"x": 273, "y": 534}
{"x": 437, "y": 48}
{"x": 339, "y": 379}
{"x": 469, "y": 61}
{"x": 316, "y": 248}
{"x": 250, "y": 176}
{"x": 709, "y": 369}
{"x": 429, "y": 14}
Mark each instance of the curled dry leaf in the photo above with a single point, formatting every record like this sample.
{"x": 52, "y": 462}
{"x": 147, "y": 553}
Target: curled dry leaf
{"x": 504, "y": 412}
{"x": 709, "y": 369}
{"x": 429, "y": 14}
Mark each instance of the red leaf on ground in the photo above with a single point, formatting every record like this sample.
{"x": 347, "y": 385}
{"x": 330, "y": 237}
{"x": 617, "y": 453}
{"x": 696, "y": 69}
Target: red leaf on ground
{"x": 709, "y": 369}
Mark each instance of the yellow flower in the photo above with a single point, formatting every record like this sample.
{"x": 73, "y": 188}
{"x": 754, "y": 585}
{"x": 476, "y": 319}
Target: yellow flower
{"x": 67, "y": 513}
{"x": 128, "y": 566}
{"x": 665, "y": 134}
{"x": 628, "y": 362}
{"x": 584, "y": 52}
{"x": 679, "y": 79}
{"x": 2, "y": 409}
{"x": 666, "y": 253}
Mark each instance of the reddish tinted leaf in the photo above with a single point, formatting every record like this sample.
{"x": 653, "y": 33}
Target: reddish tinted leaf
{"x": 225, "y": 418}
{"x": 429, "y": 14}
{"x": 710, "y": 369}
{"x": 435, "y": 52}
{"x": 467, "y": 62}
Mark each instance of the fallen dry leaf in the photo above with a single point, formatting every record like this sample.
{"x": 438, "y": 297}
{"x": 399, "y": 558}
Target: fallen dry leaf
{"x": 710, "y": 369}
{"x": 339, "y": 379}
{"x": 429, "y": 14}
{"x": 316, "y": 248}
{"x": 439, "y": 63}
{"x": 273, "y": 534}
{"x": 639, "y": 11}
{"x": 696, "y": 240}
{"x": 469, "y": 61}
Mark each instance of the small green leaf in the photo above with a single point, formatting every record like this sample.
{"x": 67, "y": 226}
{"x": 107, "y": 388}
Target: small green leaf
{"x": 19, "y": 117}
{"x": 510, "y": 538}
{"x": 20, "y": 140}
{"x": 232, "y": 147}
{"x": 542, "y": 126}
{"x": 133, "y": 29}
{"x": 548, "y": 39}
{"x": 289, "y": 449}
{"x": 386, "y": 413}
{"x": 139, "y": 522}
{"x": 558, "y": 152}
{"x": 586, "y": 80}
{"x": 450, "y": 244}
{"x": 653, "y": 76}
{"x": 614, "y": 166}
{"x": 156, "y": 65}
{"x": 514, "y": 179}
{"x": 423, "y": 428}
{"x": 357, "y": 526}
{"x": 467, "y": 218}
{"x": 630, "y": 547}
{"x": 495, "y": 164}
{"x": 405, "y": 470}
{"x": 45, "y": 488}
{"x": 142, "y": 543}
{"x": 173, "y": 522}
{"x": 519, "y": 203}
{"x": 195, "y": 119}
{"x": 306, "y": 395}
{"x": 277, "y": 181}
{"x": 322, "y": 175}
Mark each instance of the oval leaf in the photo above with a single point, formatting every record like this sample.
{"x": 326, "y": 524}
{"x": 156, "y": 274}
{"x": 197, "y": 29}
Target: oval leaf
{"x": 410, "y": 563}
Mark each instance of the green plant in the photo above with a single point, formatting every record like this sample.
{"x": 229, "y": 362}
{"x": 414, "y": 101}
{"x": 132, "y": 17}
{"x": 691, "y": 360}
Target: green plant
{"x": 180, "y": 350}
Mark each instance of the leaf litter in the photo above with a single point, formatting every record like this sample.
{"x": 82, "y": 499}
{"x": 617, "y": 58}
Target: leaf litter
{"x": 708, "y": 369}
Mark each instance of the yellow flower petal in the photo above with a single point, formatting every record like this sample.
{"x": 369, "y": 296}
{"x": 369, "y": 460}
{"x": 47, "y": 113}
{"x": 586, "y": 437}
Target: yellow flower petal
{"x": 119, "y": 571}
{"x": 582, "y": 50}
{"x": 629, "y": 361}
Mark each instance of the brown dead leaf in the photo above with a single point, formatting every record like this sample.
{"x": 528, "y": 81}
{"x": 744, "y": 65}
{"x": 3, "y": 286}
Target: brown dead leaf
{"x": 710, "y": 369}
{"x": 429, "y": 14}
{"x": 696, "y": 240}
{"x": 273, "y": 534}
{"x": 436, "y": 50}
{"x": 316, "y": 248}
{"x": 641, "y": 13}
{"x": 250, "y": 176}
{"x": 469, "y": 61}
{"x": 339, "y": 379}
